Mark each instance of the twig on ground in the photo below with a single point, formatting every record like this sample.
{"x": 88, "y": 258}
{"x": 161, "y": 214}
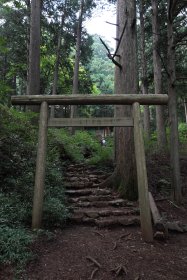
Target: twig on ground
{"x": 171, "y": 202}
{"x": 93, "y": 273}
{"x": 94, "y": 261}
{"x": 124, "y": 235}
{"x": 119, "y": 270}
{"x": 161, "y": 199}
{"x": 115, "y": 245}
{"x": 120, "y": 239}
{"x": 100, "y": 234}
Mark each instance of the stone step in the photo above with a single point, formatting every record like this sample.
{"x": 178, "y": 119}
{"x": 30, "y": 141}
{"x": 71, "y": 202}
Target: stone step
{"x": 87, "y": 191}
{"x": 104, "y": 212}
{"x": 102, "y": 204}
{"x": 80, "y": 192}
{"x": 87, "y": 177}
{"x": 92, "y": 205}
{"x": 110, "y": 221}
{"x": 117, "y": 221}
{"x": 91, "y": 198}
{"x": 79, "y": 185}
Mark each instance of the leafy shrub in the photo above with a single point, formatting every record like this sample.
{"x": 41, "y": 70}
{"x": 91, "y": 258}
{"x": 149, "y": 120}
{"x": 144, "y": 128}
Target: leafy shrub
{"x": 183, "y": 132}
{"x": 55, "y": 213}
{"x": 14, "y": 244}
{"x": 83, "y": 146}
{"x": 18, "y": 141}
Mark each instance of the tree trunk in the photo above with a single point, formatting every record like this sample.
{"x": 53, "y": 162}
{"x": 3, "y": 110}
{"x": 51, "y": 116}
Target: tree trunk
{"x": 77, "y": 59}
{"x": 185, "y": 109}
{"x": 34, "y": 51}
{"x": 56, "y": 67}
{"x": 28, "y": 4}
{"x": 126, "y": 82}
{"x": 161, "y": 133}
{"x": 174, "y": 140}
{"x": 147, "y": 128}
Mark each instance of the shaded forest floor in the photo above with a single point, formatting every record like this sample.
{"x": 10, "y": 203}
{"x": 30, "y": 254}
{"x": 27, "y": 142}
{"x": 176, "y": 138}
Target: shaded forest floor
{"x": 86, "y": 252}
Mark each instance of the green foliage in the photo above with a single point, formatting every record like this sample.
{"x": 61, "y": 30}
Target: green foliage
{"x": 151, "y": 145}
{"x": 102, "y": 69}
{"x": 83, "y": 146}
{"x": 18, "y": 141}
{"x": 183, "y": 133}
{"x": 5, "y": 91}
{"x": 14, "y": 244}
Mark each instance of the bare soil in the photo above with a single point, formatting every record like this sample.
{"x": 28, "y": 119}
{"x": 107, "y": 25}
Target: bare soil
{"x": 80, "y": 252}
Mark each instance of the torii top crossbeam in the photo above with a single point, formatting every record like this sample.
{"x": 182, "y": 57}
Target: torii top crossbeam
{"x": 82, "y": 99}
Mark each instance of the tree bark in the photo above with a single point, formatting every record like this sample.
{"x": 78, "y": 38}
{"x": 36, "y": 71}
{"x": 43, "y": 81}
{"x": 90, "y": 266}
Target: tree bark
{"x": 185, "y": 109}
{"x": 161, "y": 133}
{"x": 56, "y": 67}
{"x": 75, "y": 89}
{"x": 147, "y": 127}
{"x": 125, "y": 82}
{"x": 174, "y": 139}
{"x": 34, "y": 51}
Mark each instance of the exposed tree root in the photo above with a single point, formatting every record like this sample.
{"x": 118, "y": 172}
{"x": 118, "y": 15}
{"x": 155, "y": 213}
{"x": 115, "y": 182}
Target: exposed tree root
{"x": 93, "y": 273}
{"x": 98, "y": 233}
{"x": 94, "y": 261}
{"x": 115, "y": 245}
{"x": 110, "y": 182}
{"x": 120, "y": 270}
{"x": 162, "y": 226}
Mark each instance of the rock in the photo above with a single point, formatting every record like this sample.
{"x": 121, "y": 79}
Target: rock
{"x": 92, "y": 214}
{"x": 117, "y": 202}
{"x": 88, "y": 220}
{"x": 163, "y": 184}
{"x": 78, "y": 192}
{"x": 104, "y": 213}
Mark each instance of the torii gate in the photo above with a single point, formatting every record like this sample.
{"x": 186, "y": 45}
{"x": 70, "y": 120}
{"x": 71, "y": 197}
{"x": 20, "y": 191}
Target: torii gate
{"x": 131, "y": 99}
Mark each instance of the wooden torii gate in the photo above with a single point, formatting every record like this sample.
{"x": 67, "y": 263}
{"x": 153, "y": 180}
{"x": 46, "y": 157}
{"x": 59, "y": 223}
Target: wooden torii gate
{"x": 131, "y": 99}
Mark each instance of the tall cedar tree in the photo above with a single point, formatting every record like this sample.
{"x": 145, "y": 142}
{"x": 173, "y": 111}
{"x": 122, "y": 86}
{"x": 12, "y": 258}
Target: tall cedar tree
{"x": 57, "y": 61}
{"x": 174, "y": 141}
{"x": 144, "y": 79}
{"x": 34, "y": 49}
{"x": 126, "y": 82}
{"x": 157, "y": 66}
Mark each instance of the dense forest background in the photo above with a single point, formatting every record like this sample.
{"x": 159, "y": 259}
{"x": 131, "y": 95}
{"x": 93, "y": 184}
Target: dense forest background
{"x": 96, "y": 72}
{"x": 72, "y": 61}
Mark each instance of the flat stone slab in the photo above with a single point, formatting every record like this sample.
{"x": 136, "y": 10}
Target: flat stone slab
{"x": 70, "y": 185}
{"x": 117, "y": 221}
{"x": 118, "y": 202}
{"x": 91, "y": 198}
{"x": 78, "y": 192}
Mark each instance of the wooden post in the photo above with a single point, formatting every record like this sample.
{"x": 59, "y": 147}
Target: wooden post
{"x": 40, "y": 168}
{"x": 145, "y": 214}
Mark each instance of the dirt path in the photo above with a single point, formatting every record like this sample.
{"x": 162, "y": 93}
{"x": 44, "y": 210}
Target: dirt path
{"x": 73, "y": 251}
{"x": 97, "y": 245}
{"x": 106, "y": 249}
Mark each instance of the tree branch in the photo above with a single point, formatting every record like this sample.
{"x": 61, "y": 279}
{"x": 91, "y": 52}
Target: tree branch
{"x": 180, "y": 37}
{"x": 110, "y": 56}
{"x": 112, "y": 23}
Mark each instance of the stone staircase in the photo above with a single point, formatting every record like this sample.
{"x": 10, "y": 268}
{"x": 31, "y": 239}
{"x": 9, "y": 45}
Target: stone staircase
{"x": 91, "y": 205}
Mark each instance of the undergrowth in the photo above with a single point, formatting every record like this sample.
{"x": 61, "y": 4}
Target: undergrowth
{"x": 18, "y": 141}
{"x": 151, "y": 145}
{"x": 18, "y": 145}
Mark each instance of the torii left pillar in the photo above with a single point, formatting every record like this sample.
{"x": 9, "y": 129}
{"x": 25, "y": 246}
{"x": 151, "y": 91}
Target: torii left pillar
{"x": 40, "y": 168}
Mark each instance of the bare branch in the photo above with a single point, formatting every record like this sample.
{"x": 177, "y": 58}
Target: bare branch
{"x": 112, "y": 23}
